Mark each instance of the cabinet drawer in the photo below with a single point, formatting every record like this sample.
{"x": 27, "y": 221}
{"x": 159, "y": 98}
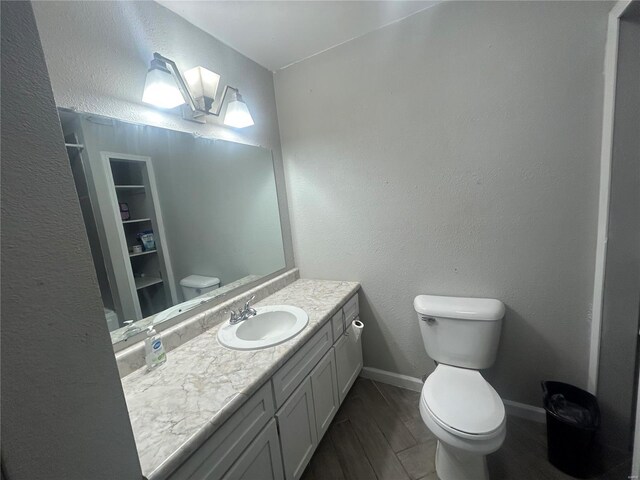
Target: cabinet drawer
{"x": 221, "y": 450}
{"x": 351, "y": 310}
{"x": 292, "y": 373}
{"x": 337, "y": 324}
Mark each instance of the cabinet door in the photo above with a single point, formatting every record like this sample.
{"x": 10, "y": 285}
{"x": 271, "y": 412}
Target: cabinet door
{"x": 348, "y": 360}
{"x": 324, "y": 386}
{"x": 218, "y": 453}
{"x": 261, "y": 460}
{"x": 297, "y": 426}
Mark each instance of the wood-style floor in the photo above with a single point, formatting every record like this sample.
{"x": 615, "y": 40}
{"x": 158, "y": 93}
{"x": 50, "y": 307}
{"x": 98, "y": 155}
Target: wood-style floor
{"x": 378, "y": 434}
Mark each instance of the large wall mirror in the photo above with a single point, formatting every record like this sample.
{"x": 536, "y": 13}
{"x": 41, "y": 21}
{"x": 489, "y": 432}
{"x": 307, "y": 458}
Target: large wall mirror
{"x": 173, "y": 220}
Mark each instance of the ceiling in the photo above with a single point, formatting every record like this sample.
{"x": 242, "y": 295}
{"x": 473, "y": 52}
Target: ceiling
{"x": 276, "y": 34}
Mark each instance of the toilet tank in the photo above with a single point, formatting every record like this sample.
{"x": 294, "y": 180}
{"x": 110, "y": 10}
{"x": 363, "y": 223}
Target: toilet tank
{"x": 459, "y": 331}
{"x": 195, "y": 285}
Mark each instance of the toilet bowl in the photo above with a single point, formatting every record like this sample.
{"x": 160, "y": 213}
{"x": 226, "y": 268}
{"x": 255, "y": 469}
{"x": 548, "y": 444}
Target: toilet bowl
{"x": 457, "y": 404}
{"x": 467, "y": 417}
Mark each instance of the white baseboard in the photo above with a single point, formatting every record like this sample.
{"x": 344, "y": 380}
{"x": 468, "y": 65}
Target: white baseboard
{"x": 390, "y": 378}
{"x": 517, "y": 409}
{"x": 523, "y": 410}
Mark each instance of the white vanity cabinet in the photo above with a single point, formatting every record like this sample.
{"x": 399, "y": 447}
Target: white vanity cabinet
{"x": 275, "y": 433}
{"x": 317, "y": 400}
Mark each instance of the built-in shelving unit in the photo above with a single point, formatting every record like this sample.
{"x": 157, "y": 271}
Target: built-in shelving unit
{"x": 150, "y": 279}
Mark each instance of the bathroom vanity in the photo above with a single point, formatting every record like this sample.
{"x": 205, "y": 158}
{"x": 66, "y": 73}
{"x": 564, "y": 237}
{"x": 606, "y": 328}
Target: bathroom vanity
{"x": 169, "y": 253}
{"x": 216, "y": 413}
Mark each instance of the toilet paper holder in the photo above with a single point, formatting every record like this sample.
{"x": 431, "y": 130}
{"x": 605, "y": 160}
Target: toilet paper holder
{"x": 357, "y": 323}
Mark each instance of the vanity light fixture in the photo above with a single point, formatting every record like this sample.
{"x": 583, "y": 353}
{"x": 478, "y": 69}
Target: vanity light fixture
{"x": 164, "y": 86}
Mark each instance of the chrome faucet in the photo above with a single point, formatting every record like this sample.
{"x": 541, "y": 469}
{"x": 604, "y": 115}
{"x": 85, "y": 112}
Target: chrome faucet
{"x": 243, "y": 313}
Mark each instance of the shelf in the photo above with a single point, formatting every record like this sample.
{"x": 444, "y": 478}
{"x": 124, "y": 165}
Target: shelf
{"x": 131, "y": 189}
{"x": 142, "y": 253}
{"x": 79, "y": 146}
{"x": 137, "y": 220}
{"x": 144, "y": 282}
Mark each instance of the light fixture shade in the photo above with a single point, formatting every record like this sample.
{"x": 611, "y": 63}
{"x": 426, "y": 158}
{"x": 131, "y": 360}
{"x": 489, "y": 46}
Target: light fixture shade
{"x": 202, "y": 82}
{"x": 161, "y": 89}
{"x": 238, "y": 115}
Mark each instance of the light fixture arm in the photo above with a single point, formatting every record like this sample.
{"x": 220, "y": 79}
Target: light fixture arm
{"x": 186, "y": 93}
{"x": 221, "y": 102}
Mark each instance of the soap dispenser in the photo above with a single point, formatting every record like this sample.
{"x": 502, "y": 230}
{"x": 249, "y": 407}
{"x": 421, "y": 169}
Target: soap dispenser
{"x": 154, "y": 350}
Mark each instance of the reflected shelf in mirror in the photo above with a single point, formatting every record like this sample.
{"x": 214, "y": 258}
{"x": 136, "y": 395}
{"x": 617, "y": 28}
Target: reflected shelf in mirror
{"x": 137, "y": 220}
{"x": 144, "y": 282}
{"x": 147, "y": 252}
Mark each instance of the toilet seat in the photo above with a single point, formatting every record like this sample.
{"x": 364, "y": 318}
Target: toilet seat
{"x": 462, "y": 402}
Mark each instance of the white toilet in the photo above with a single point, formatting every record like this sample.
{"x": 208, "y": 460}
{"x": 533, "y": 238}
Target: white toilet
{"x": 195, "y": 285}
{"x": 457, "y": 404}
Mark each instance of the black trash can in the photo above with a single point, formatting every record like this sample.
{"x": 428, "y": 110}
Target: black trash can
{"x": 573, "y": 418}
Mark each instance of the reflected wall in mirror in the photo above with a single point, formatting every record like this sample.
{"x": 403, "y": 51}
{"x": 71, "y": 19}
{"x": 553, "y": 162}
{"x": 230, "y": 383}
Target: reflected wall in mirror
{"x": 172, "y": 220}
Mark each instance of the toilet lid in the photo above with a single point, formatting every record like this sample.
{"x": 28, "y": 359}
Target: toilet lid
{"x": 463, "y": 400}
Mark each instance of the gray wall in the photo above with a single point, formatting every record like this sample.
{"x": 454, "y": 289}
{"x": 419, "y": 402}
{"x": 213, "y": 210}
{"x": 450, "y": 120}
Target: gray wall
{"x": 457, "y": 153}
{"x": 63, "y": 411}
{"x": 98, "y": 54}
{"x": 622, "y": 275}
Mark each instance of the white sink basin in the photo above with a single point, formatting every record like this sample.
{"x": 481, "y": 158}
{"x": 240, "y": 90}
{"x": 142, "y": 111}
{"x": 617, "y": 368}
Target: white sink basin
{"x": 270, "y": 326}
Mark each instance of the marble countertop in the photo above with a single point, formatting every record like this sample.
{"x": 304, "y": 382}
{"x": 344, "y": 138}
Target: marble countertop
{"x": 175, "y": 408}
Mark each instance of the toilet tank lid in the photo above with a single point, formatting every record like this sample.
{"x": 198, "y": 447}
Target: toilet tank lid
{"x": 199, "y": 281}
{"x": 464, "y": 308}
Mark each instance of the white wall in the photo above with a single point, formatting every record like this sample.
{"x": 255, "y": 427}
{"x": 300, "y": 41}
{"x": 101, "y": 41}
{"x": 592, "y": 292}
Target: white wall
{"x": 456, "y": 153}
{"x": 98, "y": 53}
{"x": 617, "y": 373}
{"x": 64, "y": 415}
